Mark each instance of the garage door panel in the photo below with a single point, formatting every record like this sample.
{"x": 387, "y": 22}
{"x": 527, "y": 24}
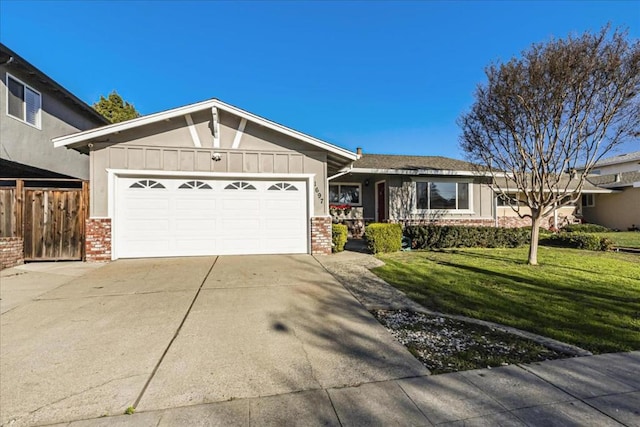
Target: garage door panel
{"x": 202, "y": 217}
{"x": 204, "y": 226}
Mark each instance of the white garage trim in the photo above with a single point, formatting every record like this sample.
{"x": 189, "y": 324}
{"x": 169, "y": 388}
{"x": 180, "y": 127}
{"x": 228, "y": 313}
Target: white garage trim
{"x": 114, "y": 174}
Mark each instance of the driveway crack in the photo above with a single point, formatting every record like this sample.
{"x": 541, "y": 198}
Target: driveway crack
{"x": 306, "y": 357}
{"x": 175, "y": 335}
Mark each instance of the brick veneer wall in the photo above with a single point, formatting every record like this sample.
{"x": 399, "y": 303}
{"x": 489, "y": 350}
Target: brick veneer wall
{"x": 98, "y": 239}
{"x": 321, "y": 235}
{"x": 516, "y": 221}
{"x": 11, "y": 252}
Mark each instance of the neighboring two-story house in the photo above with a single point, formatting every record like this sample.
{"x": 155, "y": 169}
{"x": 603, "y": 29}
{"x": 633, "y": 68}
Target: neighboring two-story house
{"x": 36, "y": 179}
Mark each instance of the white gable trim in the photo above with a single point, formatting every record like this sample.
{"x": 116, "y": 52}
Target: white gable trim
{"x": 80, "y": 137}
{"x": 192, "y": 130}
{"x": 239, "y": 133}
{"x": 216, "y": 127}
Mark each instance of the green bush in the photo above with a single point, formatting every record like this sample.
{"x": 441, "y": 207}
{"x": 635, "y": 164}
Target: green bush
{"x": 591, "y": 242}
{"x": 383, "y": 237}
{"x": 457, "y": 236}
{"x": 338, "y": 237}
{"x": 585, "y": 228}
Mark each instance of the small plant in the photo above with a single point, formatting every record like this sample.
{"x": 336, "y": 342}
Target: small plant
{"x": 585, "y": 228}
{"x": 591, "y": 242}
{"x": 130, "y": 410}
{"x": 339, "y": 209}
{"x": 383, "y": 237}
{"x": 338, "y": 237}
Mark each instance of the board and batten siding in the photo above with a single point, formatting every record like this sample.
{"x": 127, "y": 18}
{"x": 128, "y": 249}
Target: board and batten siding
{"x": 169, "y": 146}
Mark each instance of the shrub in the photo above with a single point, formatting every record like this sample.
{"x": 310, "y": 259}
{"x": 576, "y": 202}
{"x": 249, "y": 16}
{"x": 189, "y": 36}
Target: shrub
{"x": 383, "y": 237}
{"x": 585, "y": 228}
{"x": 338, "y": 237}
{"x": 591, "y": 242}
{"x": 456, "y": 236}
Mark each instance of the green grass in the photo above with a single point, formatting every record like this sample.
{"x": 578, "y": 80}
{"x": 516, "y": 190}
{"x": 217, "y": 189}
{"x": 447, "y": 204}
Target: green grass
{"x": 624, "y": 239}
{"x": 589, "y": 299}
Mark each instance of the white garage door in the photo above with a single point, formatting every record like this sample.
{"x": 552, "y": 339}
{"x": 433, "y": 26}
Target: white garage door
{"x": 158, "y": 217}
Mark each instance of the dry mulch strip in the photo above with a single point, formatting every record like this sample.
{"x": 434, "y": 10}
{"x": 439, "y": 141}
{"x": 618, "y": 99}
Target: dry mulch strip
{"x": 446, "y": 345}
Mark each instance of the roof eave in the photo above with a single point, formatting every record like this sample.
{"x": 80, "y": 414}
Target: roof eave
{"x": 86, "y": 136}
{"x": 417, "y": 172}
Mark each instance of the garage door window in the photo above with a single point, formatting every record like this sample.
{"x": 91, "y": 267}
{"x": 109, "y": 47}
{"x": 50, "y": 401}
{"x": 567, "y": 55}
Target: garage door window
{"x": 146, "y": 183}
{"x": 196, "y": 185}
{"x": 240, "y": 185}
{"x": 283, "y": 186}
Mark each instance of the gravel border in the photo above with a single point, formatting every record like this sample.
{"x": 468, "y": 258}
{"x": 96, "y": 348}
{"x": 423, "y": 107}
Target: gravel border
{"x": 351, "y": 269}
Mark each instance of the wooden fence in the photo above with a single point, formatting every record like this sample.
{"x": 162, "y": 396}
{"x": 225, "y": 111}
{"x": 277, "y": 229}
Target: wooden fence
{"x": 50, "y": 220}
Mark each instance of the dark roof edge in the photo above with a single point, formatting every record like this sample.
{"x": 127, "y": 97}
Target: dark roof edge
{"x": 53, "y": 85}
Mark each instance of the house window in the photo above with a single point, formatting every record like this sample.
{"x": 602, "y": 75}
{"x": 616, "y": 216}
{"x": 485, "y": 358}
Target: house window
{"x": 436, "y": 195}
{"x": 348, "y": 194}
{"x": 23, "y": 102}
{"x": 240, "y": 185}
{"x": 588, "y": 200}
{"x": 195, "y": 185}
{"x": 147, "y": 183}
{"x": 283, "y": 186}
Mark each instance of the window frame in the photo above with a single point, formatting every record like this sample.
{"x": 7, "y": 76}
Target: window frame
{"x": 340, "y": 184}
{"x": 38, "y": 124}
{"x": 588, "y": 196}
{"x": 428, "y": 181}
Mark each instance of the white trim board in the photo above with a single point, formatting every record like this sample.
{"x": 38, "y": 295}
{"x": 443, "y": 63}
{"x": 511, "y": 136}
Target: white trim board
{"x": 192, "y": 130}
{"x": 85, "y": 136}
{"x": 239, "y": 133}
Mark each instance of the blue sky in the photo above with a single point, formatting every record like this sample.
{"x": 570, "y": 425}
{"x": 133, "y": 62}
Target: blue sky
{"x": 391, "y": 77}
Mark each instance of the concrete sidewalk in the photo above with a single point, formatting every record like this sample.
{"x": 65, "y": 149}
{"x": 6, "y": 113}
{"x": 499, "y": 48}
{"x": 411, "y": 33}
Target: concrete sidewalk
{"x": 587, "y": 391}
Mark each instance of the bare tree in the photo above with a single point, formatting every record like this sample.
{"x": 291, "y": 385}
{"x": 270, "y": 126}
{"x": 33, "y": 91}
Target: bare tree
{"x": 543, "y": 120}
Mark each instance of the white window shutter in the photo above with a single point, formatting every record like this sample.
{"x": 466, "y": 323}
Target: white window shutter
{"x": 32, "y": 101}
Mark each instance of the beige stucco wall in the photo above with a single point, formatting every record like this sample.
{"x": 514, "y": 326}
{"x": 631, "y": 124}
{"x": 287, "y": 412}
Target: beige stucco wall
{"x": 401, "y": 197}
{"x": 168, "y": 146}
{"x": 25, "y": 144}
{"x": 615, "y": 210}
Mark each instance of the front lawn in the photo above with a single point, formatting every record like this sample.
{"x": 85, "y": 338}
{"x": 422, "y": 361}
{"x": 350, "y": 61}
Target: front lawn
{"x": 623, "y": 239}
{"x": 589, "y": 299}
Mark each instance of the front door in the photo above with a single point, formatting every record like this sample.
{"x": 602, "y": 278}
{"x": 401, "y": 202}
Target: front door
{"x": 381, "y": 201}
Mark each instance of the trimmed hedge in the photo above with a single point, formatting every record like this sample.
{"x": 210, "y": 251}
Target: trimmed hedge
{"x": 457, "y": 236}
{"x": 338, "y": 237}
{"x": 591, "y": 242}
{"x": 383, "y": 237}
{"x": 585, "y": 228}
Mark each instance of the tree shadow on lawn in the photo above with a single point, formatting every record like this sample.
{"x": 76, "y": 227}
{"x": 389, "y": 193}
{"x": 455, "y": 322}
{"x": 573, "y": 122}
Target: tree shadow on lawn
{"x": 545, "y": 262}
{"x": 565, "y": 313}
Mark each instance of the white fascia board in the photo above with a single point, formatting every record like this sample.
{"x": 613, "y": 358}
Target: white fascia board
{"x": 62, "y": 141}
{"x": 188, "y": 109}
{"x": 418, "y": 172}
{"x": 287, "y": 131}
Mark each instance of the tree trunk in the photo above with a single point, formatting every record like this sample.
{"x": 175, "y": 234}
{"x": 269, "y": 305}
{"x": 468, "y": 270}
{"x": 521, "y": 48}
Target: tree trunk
{"x": 535, "y": 234}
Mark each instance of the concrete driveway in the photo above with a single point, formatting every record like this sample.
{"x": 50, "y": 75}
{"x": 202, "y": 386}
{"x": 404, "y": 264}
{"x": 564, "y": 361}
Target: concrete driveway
{"x": 166, "y": 333}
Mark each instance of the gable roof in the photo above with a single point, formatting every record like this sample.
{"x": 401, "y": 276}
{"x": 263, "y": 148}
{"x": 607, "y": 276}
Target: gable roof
{"x": 11, "y": 59}
{"x": 86, "y": 136}
{"x": 413, "y": 165}
{"x": 622, "y": 158}
{"x": 616, "y": 180}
